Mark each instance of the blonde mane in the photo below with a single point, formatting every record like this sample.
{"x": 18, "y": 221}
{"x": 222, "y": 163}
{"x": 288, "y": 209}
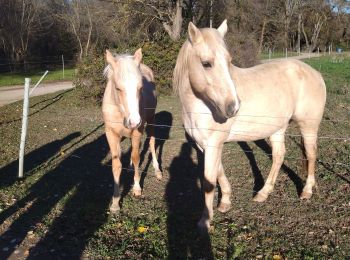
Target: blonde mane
{"x": 127, "y": 67}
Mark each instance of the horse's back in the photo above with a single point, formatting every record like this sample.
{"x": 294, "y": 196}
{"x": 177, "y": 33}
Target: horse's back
{"x": 290, "y": 83}
{"x": 271, "y": 94}
{"x": 309, "y": 90}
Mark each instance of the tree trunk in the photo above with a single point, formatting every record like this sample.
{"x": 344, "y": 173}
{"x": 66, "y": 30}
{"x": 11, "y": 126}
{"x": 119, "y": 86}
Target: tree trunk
{"x": 299, "y": 34}
{"x": 318, "y": 27}
{"x": 305, "y": 37}
{"x": 87, "y": 46}
{"x": 262, "y": 35}
{"x": 174, "y": 30}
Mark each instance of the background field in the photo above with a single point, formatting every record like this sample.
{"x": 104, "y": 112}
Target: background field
{"x": 7, "y": 79}
{"x": 60, "y": 210}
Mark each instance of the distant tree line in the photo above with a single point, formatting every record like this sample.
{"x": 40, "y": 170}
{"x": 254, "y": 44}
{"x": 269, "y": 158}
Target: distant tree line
{"x": 41, "y": 29}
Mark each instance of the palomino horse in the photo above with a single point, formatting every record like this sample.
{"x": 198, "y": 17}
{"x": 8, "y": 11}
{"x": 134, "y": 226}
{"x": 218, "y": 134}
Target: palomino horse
{"x": 223, "y": 103}
{"x": 129, "y": 102}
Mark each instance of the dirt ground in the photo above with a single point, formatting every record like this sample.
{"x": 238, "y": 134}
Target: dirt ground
{"x": 60, "y": 209}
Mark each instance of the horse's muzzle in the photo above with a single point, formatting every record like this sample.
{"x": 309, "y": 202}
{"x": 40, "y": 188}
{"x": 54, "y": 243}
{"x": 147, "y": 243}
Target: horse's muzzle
{"x": 127, "y": 123}
{"x": 231, "y": 110}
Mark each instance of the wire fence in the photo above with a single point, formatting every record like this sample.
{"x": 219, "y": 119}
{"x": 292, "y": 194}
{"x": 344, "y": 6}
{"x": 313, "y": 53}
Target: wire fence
{"x": 180, "y": 128}
{"x": 55, "y": 62}
{"x": 257, "y": 120}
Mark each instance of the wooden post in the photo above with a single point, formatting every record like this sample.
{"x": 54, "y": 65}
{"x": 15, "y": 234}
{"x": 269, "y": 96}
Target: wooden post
{"x": 62, "y": 66}
{"x": 24, "y": 127}
{"x": 269, "y": 54}
{"x": 286, "y": 53}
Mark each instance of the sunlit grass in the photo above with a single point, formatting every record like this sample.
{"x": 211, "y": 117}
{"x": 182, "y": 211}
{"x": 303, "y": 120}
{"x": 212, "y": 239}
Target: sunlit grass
{"x": 8, "y": 79}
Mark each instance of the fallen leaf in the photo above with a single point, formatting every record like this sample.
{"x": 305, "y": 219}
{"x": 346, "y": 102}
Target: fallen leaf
{"x": 276, "y": 257}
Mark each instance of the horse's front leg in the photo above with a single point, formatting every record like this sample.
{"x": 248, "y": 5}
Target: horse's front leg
{"x": 225, "y": 203}
{"x": 212, "y": 160}
{"x": 152, "y": 142}
{"x": 114, "y": 144}
{"x": 135, "y": 158}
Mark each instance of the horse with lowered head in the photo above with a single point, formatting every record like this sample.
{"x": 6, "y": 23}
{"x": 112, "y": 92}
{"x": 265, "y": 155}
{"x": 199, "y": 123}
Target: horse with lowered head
{"x": 223, "y": 103}
{"x": 129, "y": 102}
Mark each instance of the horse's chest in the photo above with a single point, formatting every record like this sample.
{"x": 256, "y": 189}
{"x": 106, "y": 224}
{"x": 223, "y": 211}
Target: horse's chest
{"x": 199, "y": 129}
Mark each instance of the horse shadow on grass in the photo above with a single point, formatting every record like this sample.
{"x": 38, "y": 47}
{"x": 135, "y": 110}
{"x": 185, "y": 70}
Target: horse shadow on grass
{"x": 163, "y": 122}
{"x": 185, "y": 203}
{"x": 73, "y": 196}
{"x": 258, "y": 178}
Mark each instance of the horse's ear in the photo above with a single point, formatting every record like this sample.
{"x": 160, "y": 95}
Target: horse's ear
{"x": 223, "y": 28}
{"x": 194, "y": 34}
{"x": 138, "y": 56}
{"x": 110, "y": 59}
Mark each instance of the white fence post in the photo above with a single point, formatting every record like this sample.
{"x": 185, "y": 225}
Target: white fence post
{"x": 42, "y": 77}
{"x": 24, "y": 126}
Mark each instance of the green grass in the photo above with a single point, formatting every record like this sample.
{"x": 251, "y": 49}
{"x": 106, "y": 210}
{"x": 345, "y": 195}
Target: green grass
{"x": 66, "y": 192}
{"x": 276, "y": 55}
{"x": 8, "y": 79}
{"x": 335, "y": 70}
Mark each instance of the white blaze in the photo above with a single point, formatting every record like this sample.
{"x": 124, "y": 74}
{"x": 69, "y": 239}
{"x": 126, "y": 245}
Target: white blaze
{"x": 132, "y": 101}
{"x": 227, "y": 76}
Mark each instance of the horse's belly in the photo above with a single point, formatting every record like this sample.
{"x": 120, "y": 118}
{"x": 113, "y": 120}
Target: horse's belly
{"x": 254, "y": 129}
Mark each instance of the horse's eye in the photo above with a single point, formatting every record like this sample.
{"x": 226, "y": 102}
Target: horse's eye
{"x": 206, "y": 64}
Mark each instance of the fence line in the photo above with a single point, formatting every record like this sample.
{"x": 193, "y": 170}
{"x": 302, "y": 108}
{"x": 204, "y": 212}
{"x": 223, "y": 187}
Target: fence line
{"x": 235, "y": 188}
{"x": 35, "y": 62}
{"x": 239, "y": 133}
{"x": 228, "y": 131}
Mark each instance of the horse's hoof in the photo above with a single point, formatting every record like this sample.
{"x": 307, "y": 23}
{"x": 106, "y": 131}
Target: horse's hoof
{"x": 260, "y": 197}
{"x": 114, "y": 209}
{"x": 305, "y": 195}
{"x": 137, "y": 193}
{"x": 224, "y": 207}
{"x": 159, "y": 175}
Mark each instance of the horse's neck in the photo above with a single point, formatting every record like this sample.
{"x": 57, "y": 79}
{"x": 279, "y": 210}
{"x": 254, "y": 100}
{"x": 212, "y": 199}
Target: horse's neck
{"x": 110, "y": 96}
{"x": 192, "y": 105}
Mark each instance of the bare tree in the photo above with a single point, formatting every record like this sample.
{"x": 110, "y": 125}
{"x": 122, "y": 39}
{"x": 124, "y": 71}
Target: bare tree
{"x": 290, "y": 9}
{"x": 20, "y": 21}
{"x": 318, "y": 12}
{"x": 168, "y": 13}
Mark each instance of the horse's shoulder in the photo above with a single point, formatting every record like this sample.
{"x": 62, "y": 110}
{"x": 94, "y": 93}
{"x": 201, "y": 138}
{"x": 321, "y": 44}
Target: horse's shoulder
{"x": 147, "y": 72}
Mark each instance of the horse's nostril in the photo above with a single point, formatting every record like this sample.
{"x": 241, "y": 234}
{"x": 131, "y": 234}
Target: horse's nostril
{"x": 230, "y": 110}
{"x": 125, "y": 123}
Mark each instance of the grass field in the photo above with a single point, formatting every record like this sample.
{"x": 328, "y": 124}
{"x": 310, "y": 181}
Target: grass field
{"x": 60, "y": 209}
{"x": 277, "y": 55}
{"x": 8, "y": 79}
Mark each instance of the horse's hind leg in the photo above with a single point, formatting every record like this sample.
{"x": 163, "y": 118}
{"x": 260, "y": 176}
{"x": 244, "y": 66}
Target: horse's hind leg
{"x": 135, "y": 158}
{"x": 310, "y": 146}
{"x": 114, "y": 145}
{"x": 152, "y": 142}
{"x": 278, "y": 152}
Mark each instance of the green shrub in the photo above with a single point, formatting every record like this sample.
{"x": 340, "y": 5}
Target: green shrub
{"x": 160, "y": 56}
{"x": 89, "y": 79}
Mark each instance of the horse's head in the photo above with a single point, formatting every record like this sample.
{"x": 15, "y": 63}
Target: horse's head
{"x": 209, "y": 69}
{"x": 127, "y": 80}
